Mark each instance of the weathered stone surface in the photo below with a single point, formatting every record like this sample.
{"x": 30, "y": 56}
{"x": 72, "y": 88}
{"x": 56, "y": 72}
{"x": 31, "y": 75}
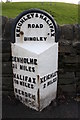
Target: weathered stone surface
{"x": 6, "y": 46}
{"x": 1, "y": 83}
{"x": 78, "y": 86}
{"x": 66, "y": 49}
{"x": 4, "y": 21}
{"x": 76, "y": 31}
{"x": 67, "y": 32}
{"x": 0, "y": 20}
{"x": 64, "y": 42}
{"x": 71, "y": 59}
{"x": 72, "y": 67}
{"x": 7, "y": 32}
{"x": 67, "y": 75}
{"x": 6, "y": 68}
{"x": 8, "y": 93}
{"x": 78, "y": 74}
{"x": 67, "y": 81}
{"x": 67, "y": 78}
{"x": 0, "y": 26}
{"x": 69, "y": 89}
{"x": 0, "y": 46}
{"x": 7, "y": 75}
{"x": 6, "y": 57}
{"x": 7, "y": 83}
{"x": 76, "y": 45}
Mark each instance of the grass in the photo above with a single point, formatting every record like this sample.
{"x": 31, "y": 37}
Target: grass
{"x": 63, "y": 13}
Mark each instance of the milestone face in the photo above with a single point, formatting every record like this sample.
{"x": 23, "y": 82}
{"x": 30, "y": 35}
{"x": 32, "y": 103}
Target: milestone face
{"x": 35, "y": 58}
{"x": 35, "y": 26}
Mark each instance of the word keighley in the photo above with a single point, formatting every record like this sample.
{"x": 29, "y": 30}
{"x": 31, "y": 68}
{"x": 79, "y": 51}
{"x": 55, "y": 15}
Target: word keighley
{"x": 40, "y": 26}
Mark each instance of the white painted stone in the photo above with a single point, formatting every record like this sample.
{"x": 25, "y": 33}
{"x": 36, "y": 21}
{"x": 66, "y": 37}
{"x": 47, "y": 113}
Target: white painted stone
{"x": 46, "y": 64}
{"x": 35, "y": 62}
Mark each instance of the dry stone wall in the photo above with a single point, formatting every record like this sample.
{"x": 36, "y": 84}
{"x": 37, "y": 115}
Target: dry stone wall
{"x": 69, "y": 58}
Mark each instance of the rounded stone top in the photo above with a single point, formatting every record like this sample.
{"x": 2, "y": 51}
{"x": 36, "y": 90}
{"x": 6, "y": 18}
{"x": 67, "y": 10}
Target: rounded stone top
{"x": 34, "y": 25}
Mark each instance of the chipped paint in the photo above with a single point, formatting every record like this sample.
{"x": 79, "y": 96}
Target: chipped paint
{"x": 21, "y": 36}
{"x": 38, "y": 79}
{"x": 21, "y": 33}
{"x": 38, "y": 99}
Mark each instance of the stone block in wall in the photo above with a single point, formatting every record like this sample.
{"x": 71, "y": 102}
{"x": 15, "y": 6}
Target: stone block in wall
{"x": 78, "y": 89}
{"x": 71, "y": 67}
{"x": 76, "y": 32}
{"x": 6, "y": 68}
{"x": 7, "y": 75}
{"x": 66, "y": 49}
{"x": 67, "y": 78}
{"x": 7, "y": 83}
{"x": 6, "y": 57}
{"x": 67, "y": 32}
{"x": 67, "y": 75}
{"x": 1, "y": 83}
{"x": 0, "y": 57}
{"x": 78, "y": 57}
{"x": 4, "y": 21}
{"x": 77, "y": 74}
{"x": 60, "y": 58}
{"x": 0, "y": 46}
{"x": 64, "y": 42}
{"x": 67, "y": 81}
{"x": 7, "y": 95}
{"x": 6, "y": 47}
{"x": 60, "y": 63}
{"x": 68, "y": 89}
{"x": 78, "y": 86}
{"x": 60, "y": 70}
{"x": 7, "y": 31}
{"x": 78, "y": 83}
{"x": 71, "y": 59}
{"x": 0, "y": 27}
{"x": 76, "y": 45}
